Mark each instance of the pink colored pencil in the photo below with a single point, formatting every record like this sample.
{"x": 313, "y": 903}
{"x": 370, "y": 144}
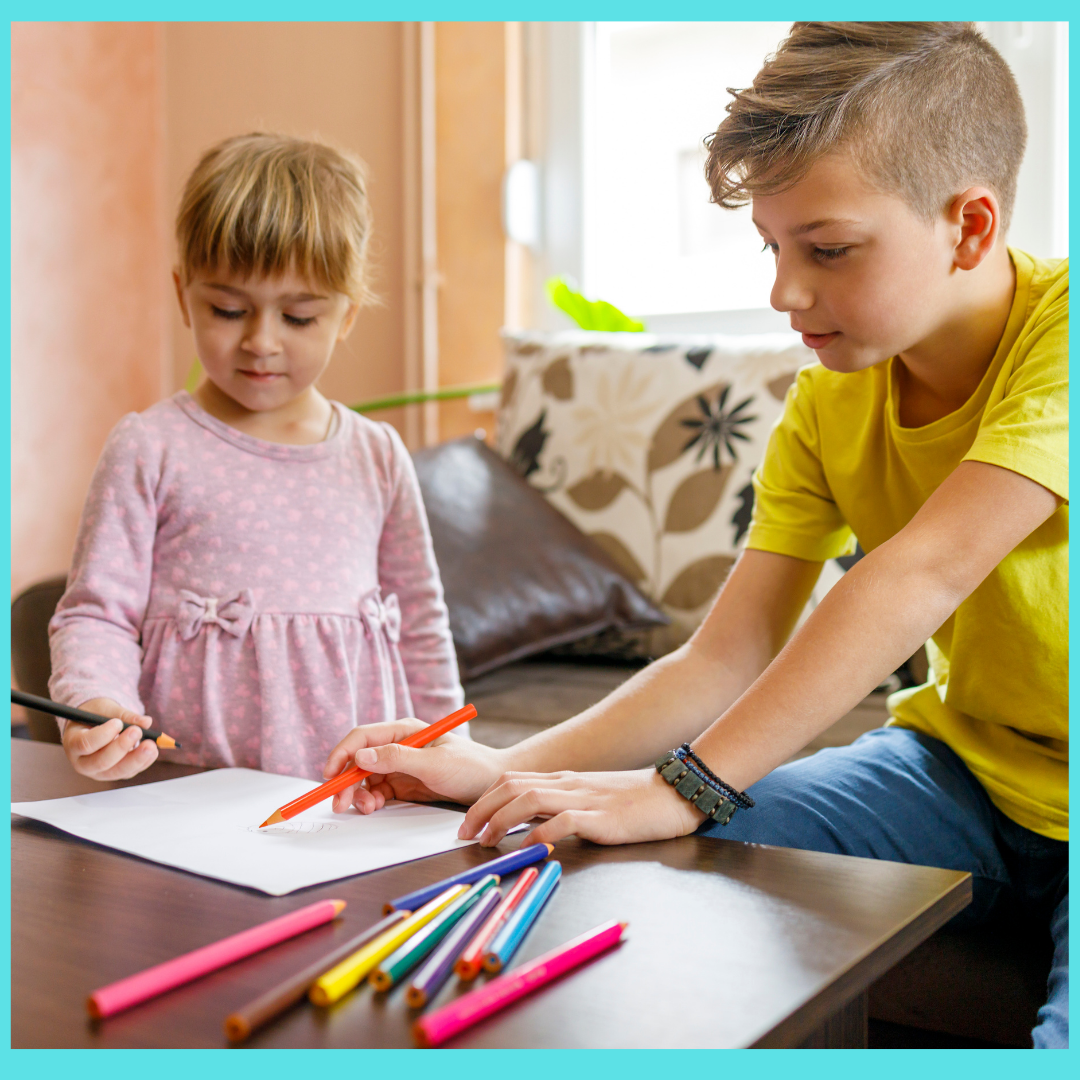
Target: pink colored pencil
{"x": 442, "y": 1024}
{"x": 146, "y": 984}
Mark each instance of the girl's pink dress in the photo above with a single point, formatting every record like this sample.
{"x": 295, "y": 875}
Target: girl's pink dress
{"x": 257, "y": 600}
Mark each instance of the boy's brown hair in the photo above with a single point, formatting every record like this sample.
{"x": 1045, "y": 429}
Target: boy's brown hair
{"x": 268, "y": 204}
{"x": 925, "y": 109}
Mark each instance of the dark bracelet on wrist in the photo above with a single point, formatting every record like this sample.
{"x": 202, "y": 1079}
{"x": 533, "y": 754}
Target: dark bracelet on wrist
{"x": 697, "y": 783}
{"x": 739, "y": 798}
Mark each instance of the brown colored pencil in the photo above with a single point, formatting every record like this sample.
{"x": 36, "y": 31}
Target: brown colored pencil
{"x": 250, "y": 1017}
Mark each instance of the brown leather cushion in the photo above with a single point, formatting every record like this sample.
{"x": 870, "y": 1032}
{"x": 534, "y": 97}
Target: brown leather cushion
{"x": 31, "y": 611}
{"x": 519, "y": 577}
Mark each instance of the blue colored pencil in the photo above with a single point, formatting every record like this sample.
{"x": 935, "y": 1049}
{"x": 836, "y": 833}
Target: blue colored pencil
{"x": 502, "y": 866}
{"x": 507, "y": 940}
{"x": 427, "y": 982}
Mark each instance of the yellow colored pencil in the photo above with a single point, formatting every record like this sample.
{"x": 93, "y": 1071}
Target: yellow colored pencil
{"x": 339, "y": 980}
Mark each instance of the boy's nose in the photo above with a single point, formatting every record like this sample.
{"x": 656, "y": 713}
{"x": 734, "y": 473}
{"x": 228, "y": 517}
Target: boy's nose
{"x": 789, "y": 292}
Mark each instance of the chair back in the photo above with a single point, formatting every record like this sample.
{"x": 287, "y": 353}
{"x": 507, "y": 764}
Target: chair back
{"x": 31, "y": 611}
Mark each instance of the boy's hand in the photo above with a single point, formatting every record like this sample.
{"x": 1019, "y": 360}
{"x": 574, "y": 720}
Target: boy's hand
{"x": 604, "y": 807}
{"x": 102, "y": 752}
{"x": 451, "y": 768}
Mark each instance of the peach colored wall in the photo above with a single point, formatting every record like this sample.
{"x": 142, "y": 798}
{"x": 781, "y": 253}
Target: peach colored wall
{"x": 470, "y": 79}
{"x": 108, "y": 119}
{"x": 88, "y": 329}
{"x": 338, "y": 81}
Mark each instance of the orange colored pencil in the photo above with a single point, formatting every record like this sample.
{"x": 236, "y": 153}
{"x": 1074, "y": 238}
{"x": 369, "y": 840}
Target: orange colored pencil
{"x": 470, "y": 961}
{"x": 356, "y": 774}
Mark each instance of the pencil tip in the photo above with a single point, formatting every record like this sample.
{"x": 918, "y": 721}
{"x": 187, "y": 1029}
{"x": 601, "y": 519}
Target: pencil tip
{"x": 274, "y": 819}
{"x": 339, "y": 906}
{"x": 166, "y": 742}
{"x": 236, "y": 1028}
{"x": 550, "y": 847}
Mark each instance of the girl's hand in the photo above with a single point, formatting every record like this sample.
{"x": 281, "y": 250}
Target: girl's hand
{"x": 102, "y": 752}
{"x": 605, "y": 807}
{"x": 451, "y": 767}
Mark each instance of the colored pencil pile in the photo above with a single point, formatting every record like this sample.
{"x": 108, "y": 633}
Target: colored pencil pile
{"x": 461, "y": 925}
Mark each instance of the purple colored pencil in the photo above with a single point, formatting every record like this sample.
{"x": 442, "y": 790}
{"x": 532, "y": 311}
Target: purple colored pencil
{"x": 525, "y": 856}
{"x": 436, "y": 969}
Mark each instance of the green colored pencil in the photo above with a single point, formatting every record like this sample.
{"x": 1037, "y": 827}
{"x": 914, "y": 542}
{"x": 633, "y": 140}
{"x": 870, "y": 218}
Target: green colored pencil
{"x": 410, "y": 953}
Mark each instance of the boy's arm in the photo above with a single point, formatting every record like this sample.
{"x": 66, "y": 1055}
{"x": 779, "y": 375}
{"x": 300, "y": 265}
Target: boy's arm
{"x": 883, "y": 609}
{"x": 672, "y": 700}
{"x": 665, "y": 704}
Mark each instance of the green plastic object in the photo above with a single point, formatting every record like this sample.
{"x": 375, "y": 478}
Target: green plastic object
{"x": 194, "y": 376}
{"x": 589, "y": 314}
{"x": 419, "y": 397}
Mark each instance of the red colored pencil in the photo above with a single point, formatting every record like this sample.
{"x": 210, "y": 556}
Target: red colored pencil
{"x": 469, "y": 962}
{"x": 443, "y": 1024}
{"x": 356, "y": 774}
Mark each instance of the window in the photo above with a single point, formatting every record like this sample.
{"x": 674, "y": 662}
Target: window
{"x": 626, "y": 207}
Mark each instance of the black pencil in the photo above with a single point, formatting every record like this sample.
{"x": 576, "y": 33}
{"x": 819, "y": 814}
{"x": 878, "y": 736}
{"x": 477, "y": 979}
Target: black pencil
{"x": 32, "y": 701}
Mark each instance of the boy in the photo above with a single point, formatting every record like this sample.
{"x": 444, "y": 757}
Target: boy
{"x": 881, "y": 161}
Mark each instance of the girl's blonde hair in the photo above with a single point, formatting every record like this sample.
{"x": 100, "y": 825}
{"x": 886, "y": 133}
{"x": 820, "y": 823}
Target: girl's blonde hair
{"x": 270, "y": 204}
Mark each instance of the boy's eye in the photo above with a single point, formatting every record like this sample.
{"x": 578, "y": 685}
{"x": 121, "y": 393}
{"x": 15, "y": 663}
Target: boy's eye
{"x": 227, "y": 313}
{"x": 827, "y": 254}
{"x": 769, "y": 247}
{"x": 297, "y": 320}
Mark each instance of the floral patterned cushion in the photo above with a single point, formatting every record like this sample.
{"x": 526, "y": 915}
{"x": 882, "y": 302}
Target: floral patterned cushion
{"x": 647, "y": 444}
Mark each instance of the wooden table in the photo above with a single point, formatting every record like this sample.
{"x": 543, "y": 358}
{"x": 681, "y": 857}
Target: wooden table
{"x": 729, "y": 944}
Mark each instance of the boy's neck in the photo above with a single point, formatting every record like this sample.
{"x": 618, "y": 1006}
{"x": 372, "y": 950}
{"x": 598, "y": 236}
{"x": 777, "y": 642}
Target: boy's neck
{"x": 301, "y": 422}
{"x": 939, "y": 374}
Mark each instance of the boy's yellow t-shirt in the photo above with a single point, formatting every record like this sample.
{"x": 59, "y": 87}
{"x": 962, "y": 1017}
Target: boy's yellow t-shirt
{"x": 839, "y": 466}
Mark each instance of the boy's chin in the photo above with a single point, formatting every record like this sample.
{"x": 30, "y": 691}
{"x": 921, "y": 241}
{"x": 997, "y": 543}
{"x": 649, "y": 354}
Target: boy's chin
{"x": 846, "y": 361}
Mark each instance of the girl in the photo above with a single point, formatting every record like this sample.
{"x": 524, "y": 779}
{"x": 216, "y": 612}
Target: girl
{"x": 253, "y": 568}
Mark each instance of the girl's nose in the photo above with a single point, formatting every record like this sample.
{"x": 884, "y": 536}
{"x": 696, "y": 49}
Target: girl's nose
{"x": 262, "y": 337}
{"x": 789, "y": 292}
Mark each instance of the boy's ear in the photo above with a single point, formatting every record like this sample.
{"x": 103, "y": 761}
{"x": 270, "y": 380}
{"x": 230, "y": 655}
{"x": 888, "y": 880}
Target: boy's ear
{"x": 976, "y": 216}
{"x": 347, "y": 322}
{"x": 180, "y": 298}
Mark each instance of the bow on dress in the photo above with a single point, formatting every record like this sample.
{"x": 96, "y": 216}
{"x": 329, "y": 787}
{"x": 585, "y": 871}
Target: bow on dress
{"x": 381, "y": 617}
{"x": 382, "y": 614}
{"x": 233, "y": 613}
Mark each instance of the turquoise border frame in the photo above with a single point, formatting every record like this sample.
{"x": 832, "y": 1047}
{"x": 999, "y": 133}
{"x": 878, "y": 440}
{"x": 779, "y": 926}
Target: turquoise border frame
{"x": 524, "y": 1064}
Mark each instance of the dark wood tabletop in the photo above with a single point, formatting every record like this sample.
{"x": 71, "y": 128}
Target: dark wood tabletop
{"x": 728, "y": 945}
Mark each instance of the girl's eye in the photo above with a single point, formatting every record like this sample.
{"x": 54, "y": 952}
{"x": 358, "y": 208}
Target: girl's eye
{"x": 827, "y": 254}
{"x": 297, "y": 320}
{"x": 226, "y": 313}
{"x": 769, "y": 247}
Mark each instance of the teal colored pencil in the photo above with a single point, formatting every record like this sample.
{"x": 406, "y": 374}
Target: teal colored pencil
{"x": 507, "y": 940}
{"x": 403, "y": 959}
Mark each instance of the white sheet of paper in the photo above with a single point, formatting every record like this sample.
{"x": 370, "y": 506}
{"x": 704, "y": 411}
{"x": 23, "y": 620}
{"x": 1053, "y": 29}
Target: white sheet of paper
{"x": 208, "y": 823}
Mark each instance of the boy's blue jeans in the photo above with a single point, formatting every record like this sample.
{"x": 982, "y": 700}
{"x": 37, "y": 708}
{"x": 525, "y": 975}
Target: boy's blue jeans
{"x": 900, "y": 795}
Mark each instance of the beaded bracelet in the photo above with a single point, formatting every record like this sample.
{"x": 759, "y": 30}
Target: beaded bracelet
{"x": 740, "y": 798}
{"x": 701, "y": 786}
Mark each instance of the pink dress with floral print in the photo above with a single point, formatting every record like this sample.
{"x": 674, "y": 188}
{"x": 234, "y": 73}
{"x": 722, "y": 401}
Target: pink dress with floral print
{"x": 257, "y": 600}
